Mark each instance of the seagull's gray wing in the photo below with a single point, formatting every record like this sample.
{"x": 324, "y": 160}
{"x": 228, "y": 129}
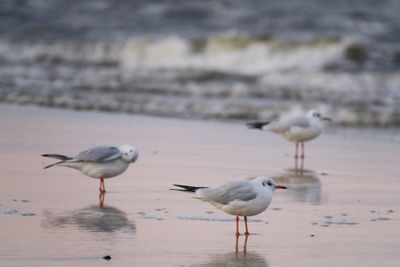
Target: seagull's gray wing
{"x": 100, "y": 153}
{"x": 298, "y": 121}
{"x": 287, "y": 123}
{"x": 237, "y": 190}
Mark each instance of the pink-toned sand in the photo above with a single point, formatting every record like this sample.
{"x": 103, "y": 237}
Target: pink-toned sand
{"x": 342, "y": 210}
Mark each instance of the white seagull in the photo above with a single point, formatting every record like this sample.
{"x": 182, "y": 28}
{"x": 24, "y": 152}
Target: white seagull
{"x": 298, "y": 128}
{"x": 99, "y": 162}
{"x": 239, "y": 198}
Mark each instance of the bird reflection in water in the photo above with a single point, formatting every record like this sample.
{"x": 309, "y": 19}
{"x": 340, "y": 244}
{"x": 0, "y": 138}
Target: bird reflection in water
{"x": 237, "y": 258}
{"x": 104, "y": 219}
{"x": 304, "y": 185}
{"x": 101, "y": 199}
{"x": 299, "y": 164}
{"x": 244, "y": 245}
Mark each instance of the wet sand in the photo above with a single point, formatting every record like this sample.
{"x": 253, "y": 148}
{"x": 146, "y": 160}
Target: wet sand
{"x": 342, "y": 210}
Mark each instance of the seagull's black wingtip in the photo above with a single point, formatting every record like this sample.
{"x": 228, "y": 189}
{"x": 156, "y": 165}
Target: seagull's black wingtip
{"x": 256, "y": 124}
{"x": 186, "y": 188}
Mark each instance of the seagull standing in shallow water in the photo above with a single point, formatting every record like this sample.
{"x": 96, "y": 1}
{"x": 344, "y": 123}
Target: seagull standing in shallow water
{"x": 239, "y": 198}
{"x": 298, "y": 129}
{"x": 99, "y": 162}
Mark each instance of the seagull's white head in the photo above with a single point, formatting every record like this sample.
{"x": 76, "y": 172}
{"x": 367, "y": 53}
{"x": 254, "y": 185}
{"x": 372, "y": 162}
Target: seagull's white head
{"x": 317, "y": 116}
{"x": 268, "y": 183}
{"x": 129, "y": 153}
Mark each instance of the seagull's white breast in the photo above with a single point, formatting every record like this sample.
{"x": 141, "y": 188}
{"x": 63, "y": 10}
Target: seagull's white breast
{"x": 298, "y": 134}
{"x": 105, "y": 169}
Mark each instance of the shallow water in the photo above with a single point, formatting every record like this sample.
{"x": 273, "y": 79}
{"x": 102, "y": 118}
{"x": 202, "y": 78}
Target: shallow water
{"x": 346, "y": 195}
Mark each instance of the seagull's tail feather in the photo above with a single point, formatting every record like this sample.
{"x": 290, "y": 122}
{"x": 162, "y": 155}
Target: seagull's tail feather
{"x": 56, "y": 156}
{"x": 187, "y": 188}
{"x": 257, "y": 124}
{"x": 51, "y": 165}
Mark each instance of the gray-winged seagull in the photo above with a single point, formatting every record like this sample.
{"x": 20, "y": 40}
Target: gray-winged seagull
{"x": 238, "y": 198}
{"x": 297, "y": 128}
{"x": 99, "y": 162}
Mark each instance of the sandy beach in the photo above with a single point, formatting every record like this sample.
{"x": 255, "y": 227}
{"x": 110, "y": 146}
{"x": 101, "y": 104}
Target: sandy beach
{"x": 341, "y": 210}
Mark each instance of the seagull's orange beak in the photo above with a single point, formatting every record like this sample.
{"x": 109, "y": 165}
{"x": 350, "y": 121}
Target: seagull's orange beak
{"x": 280, "y": 187}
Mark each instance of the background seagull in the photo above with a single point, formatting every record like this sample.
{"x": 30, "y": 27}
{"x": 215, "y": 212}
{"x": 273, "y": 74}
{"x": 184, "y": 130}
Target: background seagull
{"x": 239, "y": 198}
{"x": 297, "y": 128}
{"x": 99, "y": 162}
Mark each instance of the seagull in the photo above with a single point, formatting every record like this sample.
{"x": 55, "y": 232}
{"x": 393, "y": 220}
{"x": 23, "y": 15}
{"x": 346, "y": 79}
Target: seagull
{"x": 99, "y": 162}
{"x": 298, "y": 128}
{"x": 238, "y": 198}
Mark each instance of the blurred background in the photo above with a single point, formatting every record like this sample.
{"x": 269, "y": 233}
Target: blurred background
{"x": 207, "y": 59}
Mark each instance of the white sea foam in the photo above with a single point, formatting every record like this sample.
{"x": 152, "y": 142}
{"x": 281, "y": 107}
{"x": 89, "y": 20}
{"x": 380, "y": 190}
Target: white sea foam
{"x": 230, "y": 54}
{"x": 222, "y": 76}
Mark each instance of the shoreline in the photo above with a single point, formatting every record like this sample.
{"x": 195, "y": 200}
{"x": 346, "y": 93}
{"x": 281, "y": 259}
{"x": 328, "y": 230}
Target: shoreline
{"x": 388, "y": 133}
{"x": 347, "y": 194}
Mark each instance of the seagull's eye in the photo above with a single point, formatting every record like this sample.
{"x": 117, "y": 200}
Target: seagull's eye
{"x": 131, "y": 150}
{"x": 269, "y": 183}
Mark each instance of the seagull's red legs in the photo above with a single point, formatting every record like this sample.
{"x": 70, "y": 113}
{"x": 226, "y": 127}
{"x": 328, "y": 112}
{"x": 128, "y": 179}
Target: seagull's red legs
{"x": 102, "y": 186}
{"x": 245, "y": 224}
{"x": 237, "y": 226}
{"x": 296, "y": 151}
{"x": 302, "y": 150}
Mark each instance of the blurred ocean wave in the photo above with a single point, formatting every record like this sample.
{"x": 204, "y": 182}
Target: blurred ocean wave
{"x": 110, "y": 21}
{"x": 205, "y": 59}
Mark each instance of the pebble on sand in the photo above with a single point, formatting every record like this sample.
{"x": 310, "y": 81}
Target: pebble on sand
{"x": 107, "y": 257}
{"x": 383, "y": 219}
{"x": 27, "y": 213}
